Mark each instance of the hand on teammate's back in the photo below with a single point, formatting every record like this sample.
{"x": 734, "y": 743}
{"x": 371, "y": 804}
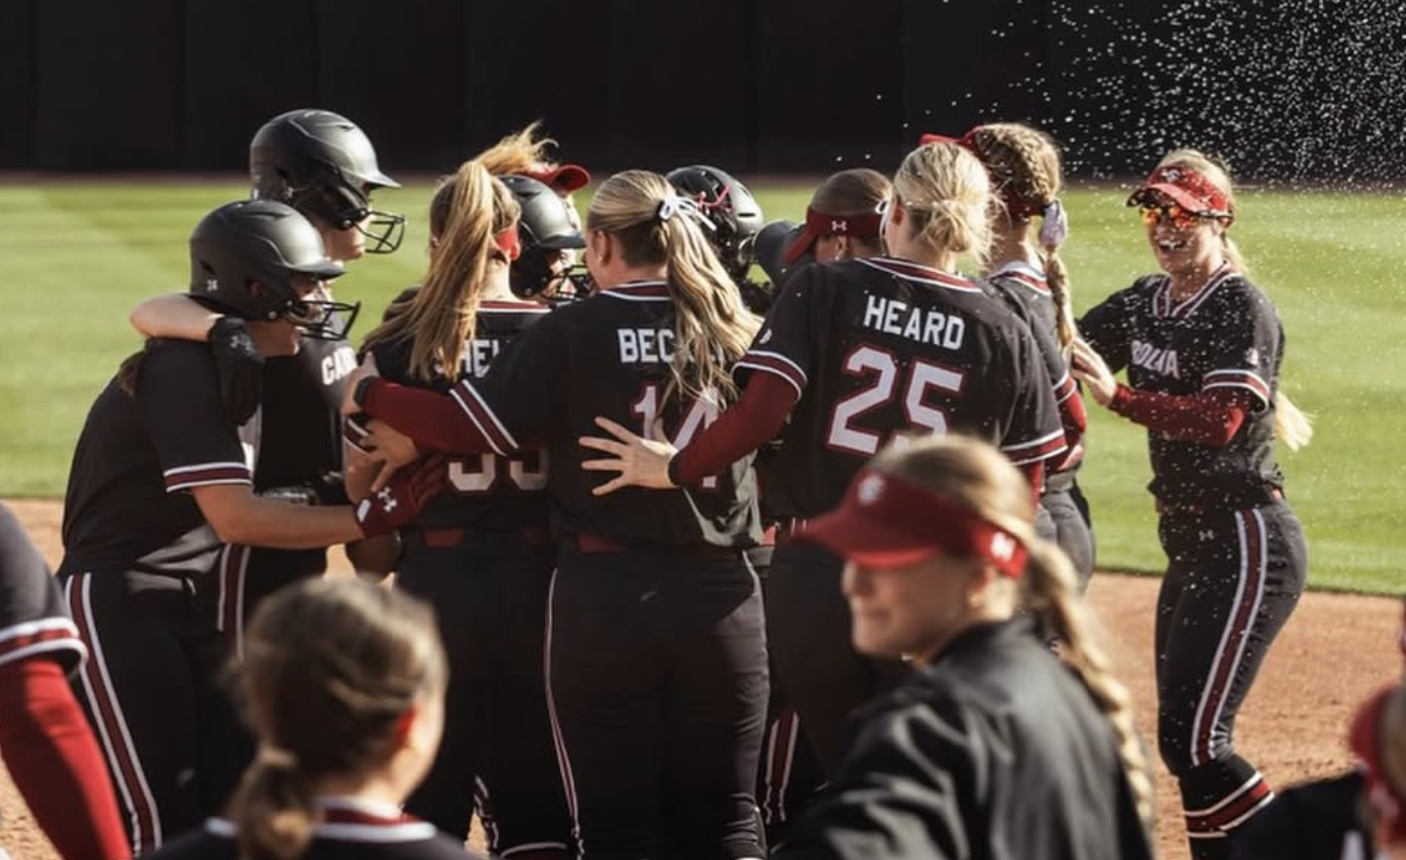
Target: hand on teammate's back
{"x": 640, "y": 462}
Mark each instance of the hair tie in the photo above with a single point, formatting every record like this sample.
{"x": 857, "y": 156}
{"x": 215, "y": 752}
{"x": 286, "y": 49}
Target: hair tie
{"x": 671, "y": 206}
{"x": 1054, "y": 227}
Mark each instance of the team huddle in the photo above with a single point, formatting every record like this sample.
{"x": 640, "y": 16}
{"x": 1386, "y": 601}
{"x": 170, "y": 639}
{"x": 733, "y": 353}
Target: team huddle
{"x": 719, "y": 567}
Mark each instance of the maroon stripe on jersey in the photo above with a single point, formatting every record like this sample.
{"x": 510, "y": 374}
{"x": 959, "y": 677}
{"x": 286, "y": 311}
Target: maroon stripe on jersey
{"x": 1231, "y": 811}
{"x": 370, "y": 818}
{"x": 39, "y": 638}
{"x": 653, "y": 290}
{"x": 215, "y": 474}
{"x": 1233, "y": 640}
{"x": 1037, "y": 284}
{"x": 918, "y": 272}
{"x": 777, "y": 364}
{"x": 1187, "y": 306}
{"x": 504, "y": 305}
{"x": 102, "y": 700}
{"x": 1236, "y": 379}
{"x": 483, "y": 418}
{"x": 1040, "y": 449}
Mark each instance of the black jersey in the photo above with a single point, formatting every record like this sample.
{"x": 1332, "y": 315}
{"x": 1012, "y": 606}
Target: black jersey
{"x": 351, "y": 830}
{"x": 33, "y": 621}
{"x": 997, "y": 750}
{"x": 1026, "y": 292}
{"x": 878, "y": 347}
{"x": 486, "y": 492}
{"x": 609, "y": 355}
{"x": 127, "y": 506}
{"x": 1226, "y": 336}
{"x": 301, "y": 437}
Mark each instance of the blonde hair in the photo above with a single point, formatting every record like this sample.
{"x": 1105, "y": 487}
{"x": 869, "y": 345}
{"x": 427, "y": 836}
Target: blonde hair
{"x": 1291, "y": 424}
{"x": 858, "y": 191}
{"x": 468, "y": 210}
{"x": 712, "y": 328}
{"x": 1024, "y": 164}
{"x": 1218, "y": 174}
{"x": 976, "y": 475}
{"x": 519, "y": 152}
{"x": 947, "y": 192}
{"x": 331, "y": 666}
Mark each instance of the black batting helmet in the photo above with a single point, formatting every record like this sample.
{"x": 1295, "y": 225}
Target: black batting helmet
{"x": 734, "y": 212}
{"x": 264, "y": 243}
{"x": 545, "y": 230}
{"x": 322, "y": 164}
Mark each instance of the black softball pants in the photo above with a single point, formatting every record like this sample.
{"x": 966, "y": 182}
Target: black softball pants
{"x": 489, "y": 593}
{"x": 657, "y": 686}
{"x": 808, "y": 628}
{"x": 1233, "y": 579}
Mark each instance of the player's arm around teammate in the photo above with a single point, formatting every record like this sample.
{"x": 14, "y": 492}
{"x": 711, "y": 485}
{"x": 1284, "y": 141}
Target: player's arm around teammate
{"x": 1203, "y": 346}
{"x": 655, "y": 646}
{"x": 49, "y": 749}
{"x": 854, "y": 353}
{"x": 944, "y": 567}
{"x": 160, "y": 479}
{"x": 343, "y": 683}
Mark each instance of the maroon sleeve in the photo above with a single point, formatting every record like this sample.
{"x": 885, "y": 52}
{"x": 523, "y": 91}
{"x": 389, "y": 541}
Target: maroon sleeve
{"x": 1211, "y": 417}
{"x": 54, "y": 759}
{"x": 1075, "y": 419}
{"x": 435, "y": 421}
{"x": 753, "y": 421}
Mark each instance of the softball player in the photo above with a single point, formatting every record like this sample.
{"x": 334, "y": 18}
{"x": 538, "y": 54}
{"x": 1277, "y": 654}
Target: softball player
{"x": 1202, "y": 347}
{"x": 1030, "y": 277}
{"x": 323, "y": 165}
{"x": 657, "y": 675}
{"x": 480, "y": 553}
{"x": 854, "y": 353}
{"x": 842, "y": 218}
{"x": 49, "y": 750}
{"x": 344, "y": 686}
{"x": 995, "y": 747}
{"x": 160, "y": 481}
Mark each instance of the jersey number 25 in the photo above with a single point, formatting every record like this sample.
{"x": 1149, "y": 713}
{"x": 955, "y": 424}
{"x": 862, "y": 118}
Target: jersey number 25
{"x": 881, "y": 369}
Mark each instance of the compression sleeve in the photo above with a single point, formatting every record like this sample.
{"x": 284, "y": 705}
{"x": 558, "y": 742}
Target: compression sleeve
{"x": 754, "y": 420}
{"x": 54, "y": 759}
{"x": 1212, "y": 417}
{"x": 435, "y": 421}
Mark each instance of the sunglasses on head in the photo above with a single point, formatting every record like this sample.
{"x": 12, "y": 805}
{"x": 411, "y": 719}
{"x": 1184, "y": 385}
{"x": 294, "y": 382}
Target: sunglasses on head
{"x": 1180, "y": 217}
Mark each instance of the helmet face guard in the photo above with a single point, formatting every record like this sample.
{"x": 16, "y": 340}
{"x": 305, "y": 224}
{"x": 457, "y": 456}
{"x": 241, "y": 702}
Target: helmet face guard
{"x": 346, "y": 209}
{"x": 323, "y": 318}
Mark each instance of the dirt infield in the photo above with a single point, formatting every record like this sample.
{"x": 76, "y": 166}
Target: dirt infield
{"x": 1333, "y": 653}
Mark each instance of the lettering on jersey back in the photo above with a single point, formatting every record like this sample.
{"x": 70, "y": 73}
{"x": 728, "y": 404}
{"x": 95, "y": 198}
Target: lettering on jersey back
{"x": 920, "y": 325}
{"x": 645, "y": 345}
{"x": 340, "y": 363}
{"x": 1155, "y": 358}
{"x": 477, "y": 356}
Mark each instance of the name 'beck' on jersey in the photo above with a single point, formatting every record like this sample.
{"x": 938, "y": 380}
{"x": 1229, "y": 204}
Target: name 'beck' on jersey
{"x": 874, "y": 344}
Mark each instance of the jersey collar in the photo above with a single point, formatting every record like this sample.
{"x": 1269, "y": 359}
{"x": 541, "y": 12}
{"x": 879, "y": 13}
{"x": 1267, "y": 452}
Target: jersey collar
{"x": 1024, "y": 274}
{"x": 1164, "y": 306}
{"x": 639, "y": 291}
{"x": 911, "y": 271}
{"x": 347, "y": 819}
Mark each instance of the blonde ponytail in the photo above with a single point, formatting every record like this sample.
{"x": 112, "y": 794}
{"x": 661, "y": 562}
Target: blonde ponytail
{"x": 1293, "y": 426}
{"x": 947, "y": 192}
{"x": 469, "y": 209}
{"x": 275, "y": 814}
{"x": 712, "y": 328}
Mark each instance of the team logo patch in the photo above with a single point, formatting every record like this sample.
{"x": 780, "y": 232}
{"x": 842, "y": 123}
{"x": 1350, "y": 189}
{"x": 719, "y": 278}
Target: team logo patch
{"x": 870, "y": 489}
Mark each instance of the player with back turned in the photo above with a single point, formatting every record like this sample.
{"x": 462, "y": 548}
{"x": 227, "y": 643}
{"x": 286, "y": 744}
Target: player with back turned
{"x": 656, "y": 666}
{"x": 160, "y": 483}
{"x": 853, "y": 354}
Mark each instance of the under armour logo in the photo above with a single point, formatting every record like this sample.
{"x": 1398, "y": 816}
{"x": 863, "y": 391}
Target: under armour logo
{"x": 1002, "y": 547}
{"x": 211, "y": 284}
{"x": 1207, "y": 534}
{"x": 388, "y": 501}
{"x": 839, "y": 226}
{"x": 1171, "y": 174}
{"x": 870, "y": 489}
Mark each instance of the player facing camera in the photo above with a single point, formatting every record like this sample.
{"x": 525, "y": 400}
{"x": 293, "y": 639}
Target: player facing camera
{"x": 261, "y": 261}
{"x": 544, "y": 270}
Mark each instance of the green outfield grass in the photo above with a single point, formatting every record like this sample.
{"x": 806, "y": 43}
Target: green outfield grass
{"x": 75, "y": 258}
